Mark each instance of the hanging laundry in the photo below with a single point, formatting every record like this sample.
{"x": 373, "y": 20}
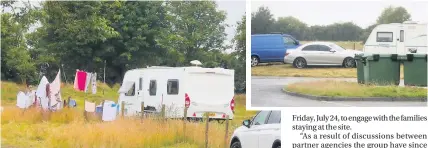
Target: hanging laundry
{"x": 76, "y": 84}
{"x": 72, "y": 103}
{"x": 94, "y": 83}
{"x": 31, "y": 98}
{"x": 81, "y": 80}
{"x": 88, "y": 81}
{"x": 55, "y": 92}
{"x": 109, "y": 111}
{"x": 41, "y": 93}
{"x": 21, "y": 100}
{"x": 89, "y": 106}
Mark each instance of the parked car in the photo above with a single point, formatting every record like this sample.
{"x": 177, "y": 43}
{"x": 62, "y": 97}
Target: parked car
{"x": 263, "y": 131}
{"x": 270, "y": 47}
{"x": 396, "y": 38}
{"x": 321, "y": 53}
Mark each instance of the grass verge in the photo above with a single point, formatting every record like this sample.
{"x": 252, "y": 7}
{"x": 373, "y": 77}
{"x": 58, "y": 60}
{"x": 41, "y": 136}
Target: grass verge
{"x": 287, "y": 70}
{"x": 353, "y": 89}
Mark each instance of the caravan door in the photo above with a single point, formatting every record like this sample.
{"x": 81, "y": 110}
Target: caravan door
{"x": 400, "y": 41}
{"x": 140, "y": 92}
{"x": 129, "y": 97}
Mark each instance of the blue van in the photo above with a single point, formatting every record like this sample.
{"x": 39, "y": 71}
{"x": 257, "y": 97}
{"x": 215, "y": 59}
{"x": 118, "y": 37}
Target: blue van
{"x": 270, "y": 47}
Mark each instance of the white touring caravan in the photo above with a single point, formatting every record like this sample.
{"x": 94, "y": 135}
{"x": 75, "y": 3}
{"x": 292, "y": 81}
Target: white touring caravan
{"x": 395, "y": 38}
{"x": 202, "y": 89}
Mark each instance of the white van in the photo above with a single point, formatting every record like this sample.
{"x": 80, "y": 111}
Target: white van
{"x": 203, "y": 89}
{"x": 395, "y": 38}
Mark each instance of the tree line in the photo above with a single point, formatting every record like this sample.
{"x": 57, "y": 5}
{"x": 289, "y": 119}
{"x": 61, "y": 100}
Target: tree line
{"x": 262, "y": 22}
{"x": 119, "y": 35}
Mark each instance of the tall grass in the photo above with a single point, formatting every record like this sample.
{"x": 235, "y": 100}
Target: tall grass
{"x": 68, "y": 127}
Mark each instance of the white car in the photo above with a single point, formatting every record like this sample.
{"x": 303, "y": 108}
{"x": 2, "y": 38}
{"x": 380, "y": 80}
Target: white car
{"x": 321, "y": 53}
{"x": 263, "y": 131}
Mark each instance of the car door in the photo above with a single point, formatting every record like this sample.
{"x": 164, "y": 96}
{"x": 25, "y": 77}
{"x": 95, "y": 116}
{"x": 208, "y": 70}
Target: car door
{"x": 310, "y": 53}
{"x": 250, "y": 138}
{"x": 270, "y": 129}
{"x": 328, "y": 56}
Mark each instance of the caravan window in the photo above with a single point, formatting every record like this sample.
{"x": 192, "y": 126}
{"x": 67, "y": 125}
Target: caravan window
{"x": 172, "y": 87}
{"x": 131, "y": 91}
{"x": 401, "y": 35}
{"x": 384, "y": 37}
{"x": 152, "y": 89}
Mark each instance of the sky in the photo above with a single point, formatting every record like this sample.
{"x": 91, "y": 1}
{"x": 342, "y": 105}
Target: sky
{"x": 362, "y": 13}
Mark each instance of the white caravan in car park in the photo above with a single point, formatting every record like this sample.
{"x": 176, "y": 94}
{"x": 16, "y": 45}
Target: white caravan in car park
{"x": 397, "y": 38}
{"x": 203, "y": 89}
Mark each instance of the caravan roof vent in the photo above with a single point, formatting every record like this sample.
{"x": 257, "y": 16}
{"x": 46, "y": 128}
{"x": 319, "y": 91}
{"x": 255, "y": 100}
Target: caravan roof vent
{"x": 410, "y": 22}
{"x": 195, "y": 62}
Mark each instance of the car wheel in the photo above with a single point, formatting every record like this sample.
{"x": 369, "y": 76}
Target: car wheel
{"x": 299, "y": 63}
{"x": 236, "y": 144}
{"x": 349, "y": 62}
{"x": 254, "y": 61}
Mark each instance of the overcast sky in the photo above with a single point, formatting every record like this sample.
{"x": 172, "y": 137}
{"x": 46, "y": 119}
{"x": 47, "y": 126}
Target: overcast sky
{"x": 362, "y": 13}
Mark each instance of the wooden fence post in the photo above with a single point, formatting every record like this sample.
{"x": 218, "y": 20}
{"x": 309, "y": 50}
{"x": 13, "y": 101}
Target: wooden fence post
{"x": 122, "y": 111}
{"x": 184, "y": 123}
{"x": 142, "y": 111}
{"x": 163, "y": 112}
{"x": 206, "y": 129}
{"x": 354, "y": 45}
{"x": 102, "y": 109}
{"x": 84, "y": 110}
{"x": 227, "y": 132}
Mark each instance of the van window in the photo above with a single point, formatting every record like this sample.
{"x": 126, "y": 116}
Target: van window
{"x": 260, "y": 118}
{"x": 152, "y": 89}
{"x": 401, "y": 35}
{"x": 172, "y": 87}
{"x": 384, "y": 37}
{"x": 310, "y": 48}
{"x": 274, "y": 117}
{"x": 141, "y": 84}
{"x": 131, "y": 91}
{"x": 288, "y": 41}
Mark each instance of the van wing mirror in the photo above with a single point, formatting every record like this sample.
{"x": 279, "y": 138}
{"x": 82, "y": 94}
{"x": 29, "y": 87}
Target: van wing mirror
{"x": 297, "y": 42}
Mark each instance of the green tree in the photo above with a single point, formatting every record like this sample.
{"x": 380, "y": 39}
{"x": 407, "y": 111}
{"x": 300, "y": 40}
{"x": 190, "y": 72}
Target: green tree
{"x": 262, "y": 21}
{"x": 197, "y": 27}
{"x": 292, "y": 26}
{"x": 237, "y": 58}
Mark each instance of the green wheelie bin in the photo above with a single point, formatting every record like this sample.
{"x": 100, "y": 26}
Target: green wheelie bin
{"x": 382, "y": 69}
{"x": 360, "y": 60}
{"x": 415, "y": 69}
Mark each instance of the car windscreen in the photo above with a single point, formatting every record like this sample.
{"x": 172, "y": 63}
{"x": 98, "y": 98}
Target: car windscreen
{"x": 337, "y": 47}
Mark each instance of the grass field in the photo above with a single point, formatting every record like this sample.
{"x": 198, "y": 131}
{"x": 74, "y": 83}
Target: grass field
{"x": 67, "y": 128}
{"x": 287, "y": 70}
{"x": 353, "y": 89}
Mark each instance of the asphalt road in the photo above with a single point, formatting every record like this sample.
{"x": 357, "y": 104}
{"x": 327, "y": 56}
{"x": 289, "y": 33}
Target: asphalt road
{"x": 267, "y": 92}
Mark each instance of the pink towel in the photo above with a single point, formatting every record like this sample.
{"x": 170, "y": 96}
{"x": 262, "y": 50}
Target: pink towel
{"x": 81, "y": 80}
{"x": 76, "y": 85}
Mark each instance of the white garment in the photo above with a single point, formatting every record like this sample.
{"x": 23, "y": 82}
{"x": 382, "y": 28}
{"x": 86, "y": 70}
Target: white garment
{"x": 89, "y": 106}
{"x": 88, "y": 81}
{"x": 41, "y": 93}
{"x": 109, "y": 111}
{"x": 21, "y": 100}
{"x": 94, "y": 83}
{"x": 31, "y": 95}
{"x": 55, "y": 95}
